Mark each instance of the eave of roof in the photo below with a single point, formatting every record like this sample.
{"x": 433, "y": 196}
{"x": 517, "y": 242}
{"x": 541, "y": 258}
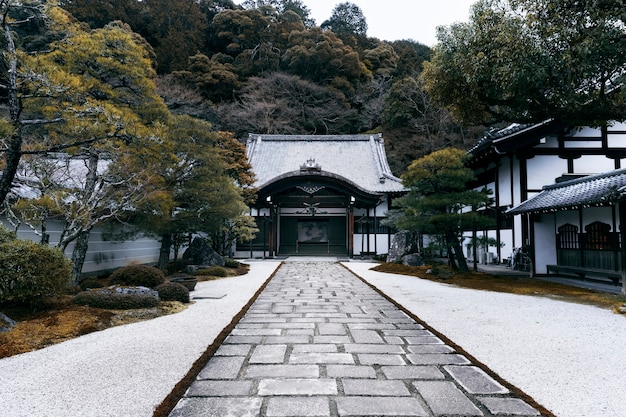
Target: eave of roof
{"x": 593, "y": 190}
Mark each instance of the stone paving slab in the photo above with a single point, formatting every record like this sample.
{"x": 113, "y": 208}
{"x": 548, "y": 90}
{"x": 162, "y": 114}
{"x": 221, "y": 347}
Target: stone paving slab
{"x": 320, "y": 342}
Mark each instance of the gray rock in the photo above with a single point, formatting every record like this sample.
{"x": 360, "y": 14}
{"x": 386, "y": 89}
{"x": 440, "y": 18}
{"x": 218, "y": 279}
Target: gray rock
{"x": 200, "y": 252}
{"x": 413, "y": 259}
{"x": 6, "y": 323}
{"x": 403, "y": 244}
{"x": 118, "y": 289}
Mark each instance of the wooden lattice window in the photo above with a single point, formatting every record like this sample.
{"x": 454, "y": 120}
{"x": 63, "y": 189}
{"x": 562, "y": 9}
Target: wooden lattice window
{"x": 598, "y": 236}
{"x": 567, "y": 237}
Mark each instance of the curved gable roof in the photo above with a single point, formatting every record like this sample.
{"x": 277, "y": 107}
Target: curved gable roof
{"x": 360, "y": 159}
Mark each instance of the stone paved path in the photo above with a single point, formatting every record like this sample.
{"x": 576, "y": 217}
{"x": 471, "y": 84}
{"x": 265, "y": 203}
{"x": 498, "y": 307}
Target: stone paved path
{"x": 320, "y": 342}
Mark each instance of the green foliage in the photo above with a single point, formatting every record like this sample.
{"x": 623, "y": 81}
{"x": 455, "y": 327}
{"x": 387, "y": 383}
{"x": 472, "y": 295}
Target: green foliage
{"x": 90, "y": 283}
{"x": 6, "y": 235}
{"x": 137, "y": 275}
{"x": 526, "y": 61}
{"x": 347, "y": 19}
{"x": 29, "y": 271}
{"x": 173, "y": 291}
{"x": 213, "y": 271}
{"x": 439, "y": 202}
{"x": 231, "y": 263}
{"x": 114, "y": 301}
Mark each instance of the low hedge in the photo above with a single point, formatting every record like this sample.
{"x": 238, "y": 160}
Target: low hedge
{"x": 30, "y": 271}
{"x": 99, "y": 299}
{"x": 173, "y": 291}
{"x": 137, "y": 275}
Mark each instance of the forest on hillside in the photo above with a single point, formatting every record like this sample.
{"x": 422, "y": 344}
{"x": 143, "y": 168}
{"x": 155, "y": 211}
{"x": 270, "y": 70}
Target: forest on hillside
{"x": 266, "y": 67}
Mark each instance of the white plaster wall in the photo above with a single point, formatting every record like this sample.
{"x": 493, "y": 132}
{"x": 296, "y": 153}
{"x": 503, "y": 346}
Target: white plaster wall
{"x": 545, "y": 243}
{"x": 544, "y": 170}
{"x": 504, "y": 183}
{"x": 102, "y": 253}
{"x": 593, "y": 164}
{"x": 602, "y": 214}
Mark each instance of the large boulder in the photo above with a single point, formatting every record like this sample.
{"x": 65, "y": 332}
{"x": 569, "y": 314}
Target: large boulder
{"x": 403, "y": 244}
{"x": 200, "y": 252}
{"x": 413, "y": 259}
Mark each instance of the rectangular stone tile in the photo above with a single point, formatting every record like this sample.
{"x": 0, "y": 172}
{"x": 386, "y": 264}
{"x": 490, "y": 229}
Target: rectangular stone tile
{"x": 350, "y": 371}
{"x": 223, "y": 407}
{"x": 365, "y": 336}
{"x": 272, "y": 340}
{"x": 321, "y": 358}
{"x": 238, "y": 340}
{"x": 298, "y": 407}
{"x": 222, "y": 367}
{"x": 423, "y": 340}
{"x": 375, "y": 359}
{"x": 233, "y": 350}
{"x": 282, "y": 371}
{"x": 255, "y": 332}
{"x": 394, "y": 340}
{"x": 291, "y": 325}
{"x": 437, "y": 359}
{"x": 412, "y": 372}
{"x": 407, "y": 326}
{"x": 371, "y": 326}
{"x": 373, "y": 348}
{"x": 444, "y": 398}
{"x": 326, "y": 329}
{"x": 430, "y": 349}
{"x": 380, "y": 406}
{"x": 374, "y": 387}
{"x": 305, "y": 348}
{"x": 508, "y": 406}
{"x": 331, "y": 339}
{"x": 303, "y": 387}
{"x": 475, "y": 381}
{"x": 210, "y": 388}
{"x": 407, "y": 332}
{"x": 306, "y": 332}
{"x": 268, "y": 354}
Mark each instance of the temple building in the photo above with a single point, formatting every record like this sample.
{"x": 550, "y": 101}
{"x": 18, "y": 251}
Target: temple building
{"x": 320, "y": 195}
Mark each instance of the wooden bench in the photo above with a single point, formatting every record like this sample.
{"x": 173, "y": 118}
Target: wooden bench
{"x": 614, "y": 276}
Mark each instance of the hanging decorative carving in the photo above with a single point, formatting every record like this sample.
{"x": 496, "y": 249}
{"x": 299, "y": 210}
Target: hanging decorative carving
{"x": 310, "y": 189}
{"x": 311, "y": 209}
{"x": 310, "y": 165}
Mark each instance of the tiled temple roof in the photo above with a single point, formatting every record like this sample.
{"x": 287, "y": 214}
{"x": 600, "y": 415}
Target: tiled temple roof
{"x": 592, "y": 190}
{"x": 360, "y": 159}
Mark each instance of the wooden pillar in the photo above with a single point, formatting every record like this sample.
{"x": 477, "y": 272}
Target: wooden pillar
{"x": 622, "y": 228}
{"x": 350, "y": 230}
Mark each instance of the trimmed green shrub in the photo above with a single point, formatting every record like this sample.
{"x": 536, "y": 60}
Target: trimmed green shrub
{"x": 213, "y": 271}
{"x": 137, "y": 275}
{"x": 100, "y": 299}
{"x": 30, "y": 271}
{"x": 173, "y": 291}
{"x": 90, "y": 283}
{"x": 6, "y": 235}
{"x": 231, "y": 263}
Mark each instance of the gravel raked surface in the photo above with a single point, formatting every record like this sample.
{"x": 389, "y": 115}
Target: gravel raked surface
{"x": 124, "y": 371}
{"x": 570, "y": 358}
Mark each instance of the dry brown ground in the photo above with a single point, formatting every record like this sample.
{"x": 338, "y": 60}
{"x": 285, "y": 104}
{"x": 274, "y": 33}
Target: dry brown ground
{"x": 508, "y": 284}
{"x": 56, "y": 320}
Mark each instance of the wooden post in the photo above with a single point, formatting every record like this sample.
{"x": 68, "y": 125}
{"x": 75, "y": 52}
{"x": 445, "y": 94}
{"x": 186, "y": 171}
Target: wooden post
{"x": 622, "y": 228}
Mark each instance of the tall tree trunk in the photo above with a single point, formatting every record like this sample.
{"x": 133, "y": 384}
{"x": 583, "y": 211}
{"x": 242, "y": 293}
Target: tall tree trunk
{"x": 14, "y": 149}
{"x": 79, "y": 254}
{"x": 82, "y": 237}
{"x": 457, "y": 251}
{"x": 164, "y": 252}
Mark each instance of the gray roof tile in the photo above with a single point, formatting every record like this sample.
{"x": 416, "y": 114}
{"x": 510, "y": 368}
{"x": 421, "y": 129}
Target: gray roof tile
{"x": 360, "y": 159}
{"x": 591, "y": 190}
